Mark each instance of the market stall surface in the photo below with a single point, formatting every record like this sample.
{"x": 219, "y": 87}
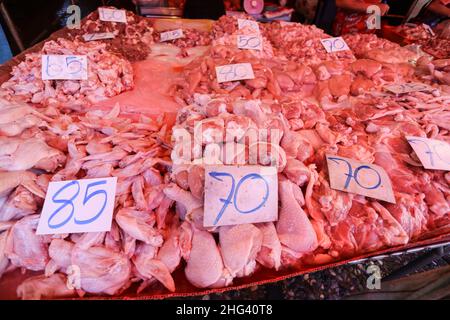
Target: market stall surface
{"x": 320, "y": 100}
{"x": 343, "y": 282}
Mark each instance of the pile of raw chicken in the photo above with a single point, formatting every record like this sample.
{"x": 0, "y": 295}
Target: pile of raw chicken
{"x": 321, "y": 103}
{"x": 436, "y": 43}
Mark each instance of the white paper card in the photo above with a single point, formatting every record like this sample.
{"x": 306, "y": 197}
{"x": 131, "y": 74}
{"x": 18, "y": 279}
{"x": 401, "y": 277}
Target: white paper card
{"x": 171, "y": 35}
{"x": 112, "y": 15}
{"x": 240, "y": 194}
{"x": 251, "y": 42}
{"x": 433, "y": 154}
{"x": 408, "y": 87}
{"x": 334, "y": 44}
{"x": 64, "y": 67}
{"x": 234, "y": 72}
{"x": 78, "y": 206}
{"x": 361, "y": 178}
{"x": 98, "y": 36}
{"x": 253, "y": 25}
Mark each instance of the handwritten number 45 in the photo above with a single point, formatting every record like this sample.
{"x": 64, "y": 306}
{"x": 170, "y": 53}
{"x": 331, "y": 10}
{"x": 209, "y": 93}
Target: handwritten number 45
{"x": 68, "y": 202}
{"x": 355, "y": 174}
{"x": 234, "y": 191}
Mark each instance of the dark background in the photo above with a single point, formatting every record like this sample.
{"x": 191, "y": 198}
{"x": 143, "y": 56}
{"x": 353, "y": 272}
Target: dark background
{"x": 36, "y": 20}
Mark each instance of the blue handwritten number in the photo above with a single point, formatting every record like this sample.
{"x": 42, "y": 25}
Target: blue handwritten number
{"x": 235, "y": 191}
{"x": 350, "y": 170}
{"x": 88, "y": 197}
{"x": 65, "y": 202}
{"x": 246, "y": 41}
{"x": 329, "y": 43}
{"x": 429, "y": 152}
{"x": 252, "y": 176}
{"x": 369, "y": 168}
{"x": 354, "y": 175}
{"x": 227, "y": 201}
{"x": 336, "y": 41}
{"x": 438, "y": 153}
{"x": 71, "y": 63}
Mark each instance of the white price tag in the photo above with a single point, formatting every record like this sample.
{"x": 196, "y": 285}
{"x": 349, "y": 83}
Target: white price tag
{"x": 408, "y": 87}
{"x": 361, "y": 178}
{"x": 334, "y": 44}
{"x": 78, "y": 206}
{"x": 171, "y": 35}
{"x": 234, "y": 72}
{"x": 253, "y": 25}
{"x": 98, "y": 36}
{"x": 433, "y": 154}
{"x": 251, "y": 42}
{"x": 238, "y": 195}
{"x": 64, "y": 67}
{"x": 112, "y": 15}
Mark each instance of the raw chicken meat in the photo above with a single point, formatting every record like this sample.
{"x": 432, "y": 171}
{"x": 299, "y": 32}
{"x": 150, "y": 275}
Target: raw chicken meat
{"x": 108, "y": 75}
{"x": 14, "y": 155}
{"x": 204, "y": 266}
{"x": 148, "y": 267}
{"x": 131, "y": 40}
{"x": 4, "y": 262}
{"x": 294, "y": 229}
{"x": 102, "y": 270}
{"x": 303, "y": 104}
{"x": 239, "y": 246}
{"x": 139, "y": 225}
{"x": 41, "y": 287}
{"x": 24, "y": 248}
{"x": 270, "y": 254}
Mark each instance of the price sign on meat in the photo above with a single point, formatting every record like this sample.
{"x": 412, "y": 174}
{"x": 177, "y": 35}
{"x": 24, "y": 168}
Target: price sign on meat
{"x": 433, "y": 154}
{"x": 361, "y": 178}
{"x": 334, "y": 44}
{"x": 234, "y": 72}
{"x": 112, "y": 15}
{"x": 98, "y": 36}
{"x": 78, "y": 206}
{"x": 64, "y": 67}
{"x": 244, "y": 23}
{"x": 408, "y": 87}
{"x": 171, "y": 35}
{"x": 238, "y": 195}
{"x": 252, "y": 42}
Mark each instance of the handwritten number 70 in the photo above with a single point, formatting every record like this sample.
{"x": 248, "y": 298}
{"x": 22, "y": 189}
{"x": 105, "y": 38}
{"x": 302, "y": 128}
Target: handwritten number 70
{"x": 355, "y": 174}
{"x": 234, "y": 192}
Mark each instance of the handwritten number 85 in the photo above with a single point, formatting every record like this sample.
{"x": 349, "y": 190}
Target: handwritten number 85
{"x": 69, "y": 202}
{"x": 355, "y": 174}
{"x": 234, "y": 191}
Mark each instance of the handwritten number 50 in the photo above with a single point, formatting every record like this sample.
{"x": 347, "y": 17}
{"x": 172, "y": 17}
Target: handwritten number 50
{"x": 234, "y": 192}
{"x": 69, "y": 202}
